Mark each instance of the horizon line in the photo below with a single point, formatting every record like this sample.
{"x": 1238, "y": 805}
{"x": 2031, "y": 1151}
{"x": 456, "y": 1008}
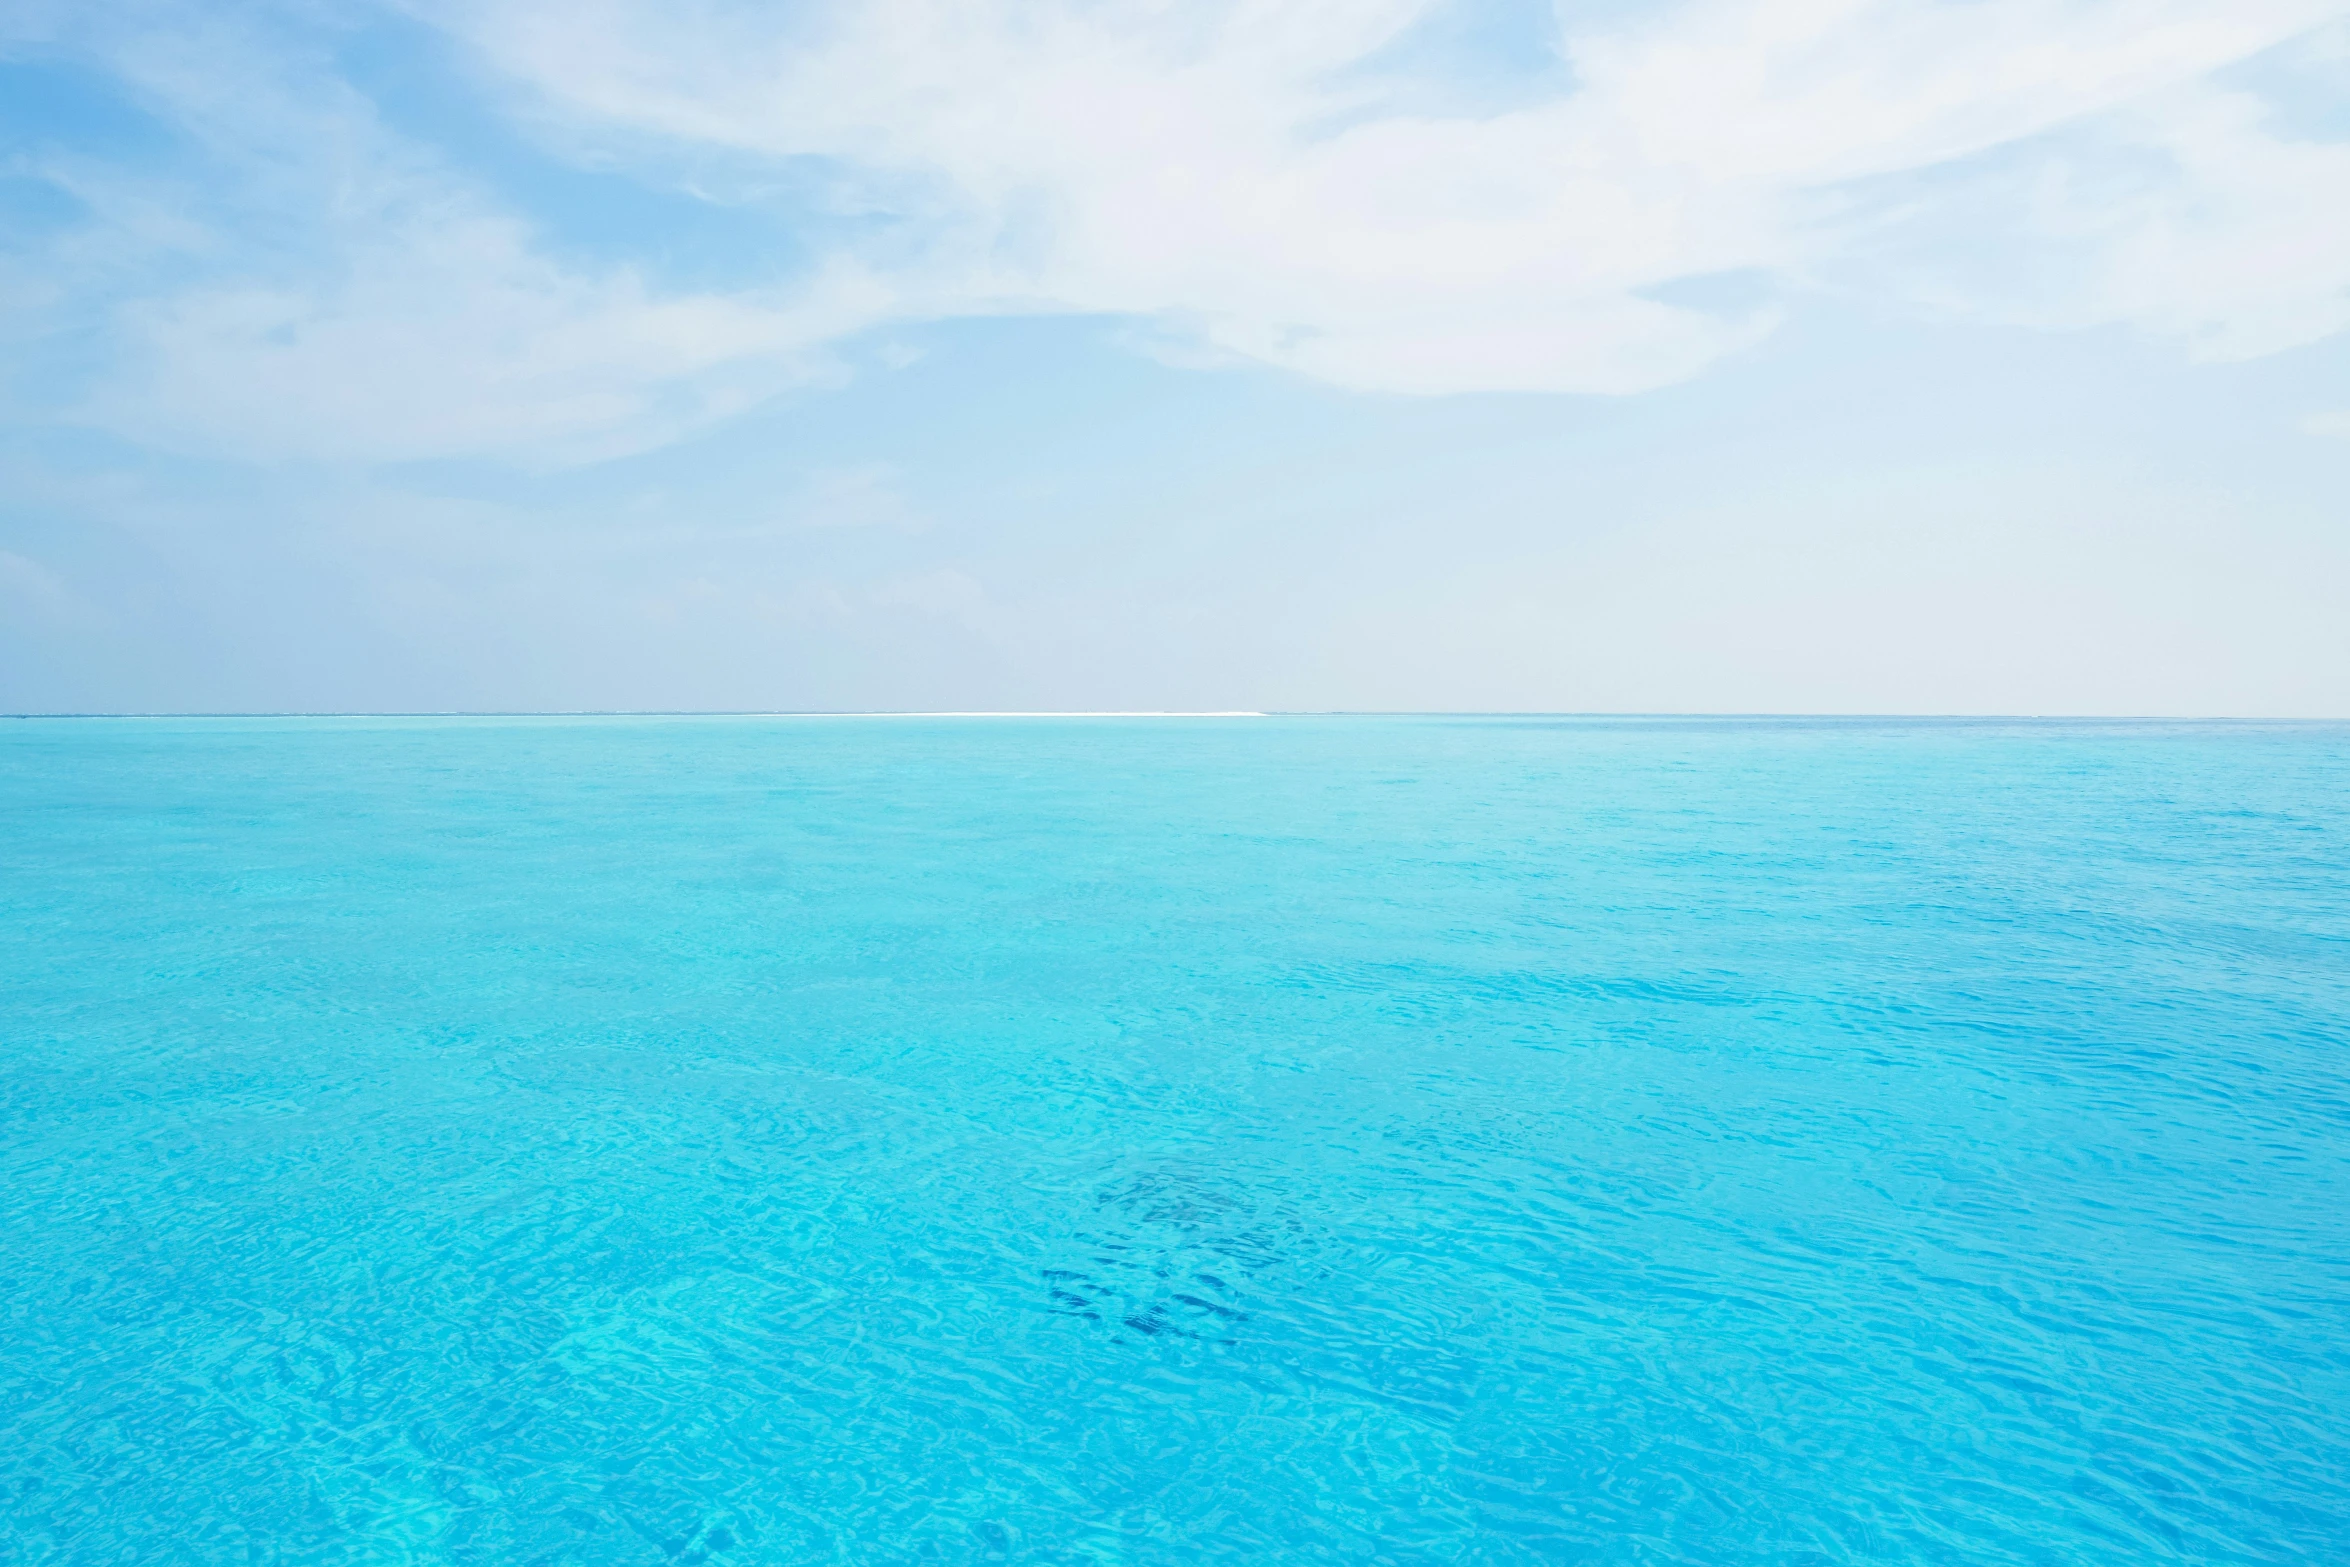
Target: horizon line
{"x": 1364, "y": 712}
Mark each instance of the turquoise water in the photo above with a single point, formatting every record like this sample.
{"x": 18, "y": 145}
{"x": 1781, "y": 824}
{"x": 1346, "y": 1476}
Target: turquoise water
{"x": 1294, "y": 1140}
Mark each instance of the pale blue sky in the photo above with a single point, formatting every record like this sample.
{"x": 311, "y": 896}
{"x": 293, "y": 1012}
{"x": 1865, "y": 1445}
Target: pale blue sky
{"x": 1714, "y": 355}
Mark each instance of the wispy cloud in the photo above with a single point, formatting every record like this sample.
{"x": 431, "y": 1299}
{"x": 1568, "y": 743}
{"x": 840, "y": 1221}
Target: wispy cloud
{"x": 1248, "y": 178}
{"x": 316, "y": 286}
{"x": 1220, "y": 164}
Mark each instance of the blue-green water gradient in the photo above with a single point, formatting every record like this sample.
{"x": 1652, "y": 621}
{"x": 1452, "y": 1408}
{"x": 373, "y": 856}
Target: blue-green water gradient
{"x": 1121, "y": 1141}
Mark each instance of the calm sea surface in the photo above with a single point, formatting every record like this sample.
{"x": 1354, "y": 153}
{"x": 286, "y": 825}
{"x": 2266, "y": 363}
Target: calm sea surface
{"x": 517, "y": 1141}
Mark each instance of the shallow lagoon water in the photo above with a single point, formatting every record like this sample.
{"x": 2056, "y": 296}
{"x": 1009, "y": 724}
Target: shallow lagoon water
{"x": 1127, "y": 1141}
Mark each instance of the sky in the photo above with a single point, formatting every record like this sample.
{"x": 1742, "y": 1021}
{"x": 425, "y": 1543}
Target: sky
{"x": 1857, "y": 356}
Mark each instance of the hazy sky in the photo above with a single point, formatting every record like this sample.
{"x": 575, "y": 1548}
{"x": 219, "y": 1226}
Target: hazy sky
{"x": 1697, "y": 355}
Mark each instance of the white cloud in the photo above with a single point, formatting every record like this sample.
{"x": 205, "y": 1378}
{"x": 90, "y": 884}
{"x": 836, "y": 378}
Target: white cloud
{"x": 2335, "y": 423}
{"x": 1218, "y": 163}
{"x": 334, "y": 292}
{"x": 2246, "y": 249}
{"x": 460, "y": 340}
{"x": 1229, "y": 172}
{"x": 2192, "y": 214}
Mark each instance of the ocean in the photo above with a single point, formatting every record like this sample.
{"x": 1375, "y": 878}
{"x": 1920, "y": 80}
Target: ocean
{"x": 1267, "y": 1140}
